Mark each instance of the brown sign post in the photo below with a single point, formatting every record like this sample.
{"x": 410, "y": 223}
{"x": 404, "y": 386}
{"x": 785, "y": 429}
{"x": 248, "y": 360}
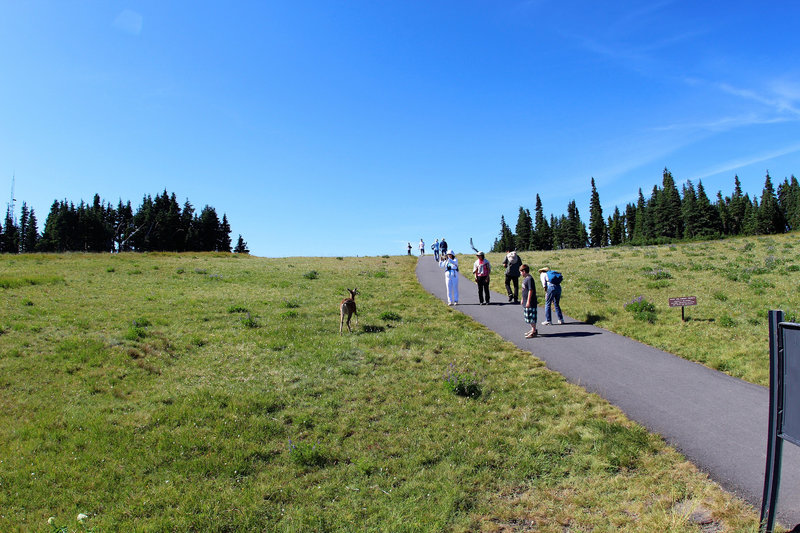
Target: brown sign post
{"x": 682, "y": 302}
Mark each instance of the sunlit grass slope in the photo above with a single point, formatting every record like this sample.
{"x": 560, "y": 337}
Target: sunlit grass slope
{"x": 736, "y": 282}
{"x": 201, "y": 392}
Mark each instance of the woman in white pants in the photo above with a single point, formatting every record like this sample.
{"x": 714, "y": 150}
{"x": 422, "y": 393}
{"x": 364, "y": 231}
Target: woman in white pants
{"x": 450, "y": 264}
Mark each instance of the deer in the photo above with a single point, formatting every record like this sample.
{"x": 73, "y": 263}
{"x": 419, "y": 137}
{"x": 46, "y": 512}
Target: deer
{"x": 348, "y": 306}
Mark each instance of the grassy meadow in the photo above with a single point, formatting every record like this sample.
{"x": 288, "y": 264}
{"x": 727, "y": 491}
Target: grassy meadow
{"x": 736, "y": 281}
{"x": 213, "y": 392}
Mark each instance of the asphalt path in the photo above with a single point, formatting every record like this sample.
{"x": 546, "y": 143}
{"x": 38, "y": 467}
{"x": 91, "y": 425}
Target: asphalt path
{"x": 718, "y": 422}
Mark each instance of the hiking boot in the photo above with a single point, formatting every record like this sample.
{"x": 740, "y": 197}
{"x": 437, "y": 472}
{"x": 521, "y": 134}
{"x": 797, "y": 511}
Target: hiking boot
{"x": 510, "y": 298}
{"x": 545, "y": 323}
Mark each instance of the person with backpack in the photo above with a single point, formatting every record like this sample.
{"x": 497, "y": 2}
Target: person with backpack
{"x": 450, "y": 265}
{"x": 481, "y": 269}
{"x": 551, "y": 281}
{"x": 512, "y": 262}
{"x": 442, "y": 248}
{"x": 435, "y": 248}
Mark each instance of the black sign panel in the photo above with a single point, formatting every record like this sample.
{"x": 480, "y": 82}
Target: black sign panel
{"x": 790, "y": 421}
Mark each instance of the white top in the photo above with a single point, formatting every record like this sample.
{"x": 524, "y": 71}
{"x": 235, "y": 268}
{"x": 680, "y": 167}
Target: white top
{"x": 543, "y": 277}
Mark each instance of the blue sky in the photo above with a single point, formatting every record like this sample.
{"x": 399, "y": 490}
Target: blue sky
{"x": 328, "y": 128}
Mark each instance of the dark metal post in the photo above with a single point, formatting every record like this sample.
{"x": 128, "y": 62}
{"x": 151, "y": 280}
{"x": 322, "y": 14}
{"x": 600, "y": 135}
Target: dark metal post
{"x": 772, "y": 472}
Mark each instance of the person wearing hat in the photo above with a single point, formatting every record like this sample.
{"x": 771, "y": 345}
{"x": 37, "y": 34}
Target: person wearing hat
{"x": 450, "y": 266}
{"x": 512, "y": 262}
{"x": 481, "y": 269}
{"x": 552, "y": 297}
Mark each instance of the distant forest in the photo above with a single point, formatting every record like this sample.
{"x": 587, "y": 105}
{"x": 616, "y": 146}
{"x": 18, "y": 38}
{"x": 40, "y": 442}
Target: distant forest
{"x": 668, "y": 215}
{"x": 159, "y": 224}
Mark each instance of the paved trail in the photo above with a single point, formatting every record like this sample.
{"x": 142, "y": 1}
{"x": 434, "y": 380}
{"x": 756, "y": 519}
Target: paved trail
{"x": 718, "y": 422}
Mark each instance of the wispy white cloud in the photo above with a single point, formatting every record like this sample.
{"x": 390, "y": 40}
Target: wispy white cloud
{"x": 736, "y": 164}
{"x": 722, "y": 124}
{"x": 129, "y": 22}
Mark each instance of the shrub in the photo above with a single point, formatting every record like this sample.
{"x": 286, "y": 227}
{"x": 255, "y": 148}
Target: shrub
{"x": 289, "y": 314}
{"x": 312, "y": 274}
{"x": 726, "y": 321}
{"x": 289, "y": 304}
{"x": 657, "y": 273}
{"x": 596, "y": 288}
{"x": 307, "y": 455}
{"x": 642, "y": 309}
{"x": 249, "y": 322}
{"x": 462, "y": 383}
{"x": 110, "y": 269}
{"x": 237, "y": 309}
{"x": 721, "y": 296}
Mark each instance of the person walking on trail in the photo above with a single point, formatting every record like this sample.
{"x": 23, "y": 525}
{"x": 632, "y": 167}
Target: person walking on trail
{"x": 450, "y": 266}
{"x": 528, "y": 300}
{"x": 435, "y": 248}
{"x": 552, "y": 295}
{"x": 512, "y": 262}
{"x": 421, "y": 248}
{"x": 409, "y": 248}
{"x": 443, "y": 248}
{"x": 481, "y": 269}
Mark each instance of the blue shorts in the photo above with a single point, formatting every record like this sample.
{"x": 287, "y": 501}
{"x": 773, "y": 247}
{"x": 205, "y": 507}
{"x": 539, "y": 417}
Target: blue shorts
{"x": 530, "y": 314}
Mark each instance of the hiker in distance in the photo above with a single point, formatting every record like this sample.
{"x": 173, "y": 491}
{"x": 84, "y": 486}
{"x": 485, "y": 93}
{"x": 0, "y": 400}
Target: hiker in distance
{"x": 528, "y": 300}
{"x": 551, "y": 281}
{"x": 409, "y": 248}
{"x": 512, "y": 262}
{"x": 421, "y": 247}
{"x": 442, "y": 248}
{"x": 481, "y": 269}
{"x": 450, "y": 266}
{"x": 435, "y": 248}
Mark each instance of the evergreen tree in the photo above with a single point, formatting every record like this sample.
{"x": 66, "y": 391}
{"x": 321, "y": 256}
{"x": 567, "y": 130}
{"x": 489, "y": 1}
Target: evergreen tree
{"x": 506, "y": 241}
{"x": 630, "y": 221}
{"x": 575, "y": 234}
{"x": 723, "y": 210}
{"x": 769, "y": 217}
{"x": 597, "y": 227}
{"x": 640, "y": 221}
{"x": 224, "y": 235}
{"x": 689, "y": 211}
{"x": 710, "y": 224}
{"x": 616, "y": 231}
{"x": 23, "y": 226}
{"x": 208, "y": 229}
{"x": 524, "y": 230}
{"x": 10, "y": 234}
{"x": 667, "y": 209}
{"x": 30, "y": 238}
{"x": 738, "y": 208}
{"x": 789, "y": 202}
{"x": 542, "y": 238}
{"x": 241, "y": 246}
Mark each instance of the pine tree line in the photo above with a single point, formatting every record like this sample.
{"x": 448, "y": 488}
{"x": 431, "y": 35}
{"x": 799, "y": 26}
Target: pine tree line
{"x": 668, "y": 215}
{"x": 159, "y": 224}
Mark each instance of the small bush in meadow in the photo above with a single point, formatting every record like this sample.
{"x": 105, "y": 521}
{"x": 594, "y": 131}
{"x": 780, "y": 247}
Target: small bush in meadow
{"x": 596, "y": 288}
{"x": 249, "y": 322}
{"x": 462, "y": 383}
{"x": 380, "y": 274}
{"x": 642, "y": 309}
{"x": 289, "y": 314}
{"x": 657, "y": 274}
{"x": 110, "y": 269}
{"x": 721, "y": 296}
{"x": 311, "y": 274}
{"x": 308, "y": 455}
{"x": 237, "y": 309}
{"x": 726, "y": 321}
{"x": 289, "y": 304}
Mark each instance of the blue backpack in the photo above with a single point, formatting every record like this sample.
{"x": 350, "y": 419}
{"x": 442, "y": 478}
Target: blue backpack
{"x": 554, "y": 277}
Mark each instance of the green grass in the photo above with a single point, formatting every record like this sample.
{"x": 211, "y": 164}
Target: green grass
{"x": 736, "y": 281}
{"x": 146, "y": 402}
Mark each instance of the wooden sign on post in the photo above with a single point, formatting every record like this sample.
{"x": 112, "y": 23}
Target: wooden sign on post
{"x": 682, "y": 302}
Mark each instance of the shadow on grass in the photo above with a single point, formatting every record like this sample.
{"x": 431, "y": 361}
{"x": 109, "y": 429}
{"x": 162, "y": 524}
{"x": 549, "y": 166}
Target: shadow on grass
{"x": 373, "y": 329}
